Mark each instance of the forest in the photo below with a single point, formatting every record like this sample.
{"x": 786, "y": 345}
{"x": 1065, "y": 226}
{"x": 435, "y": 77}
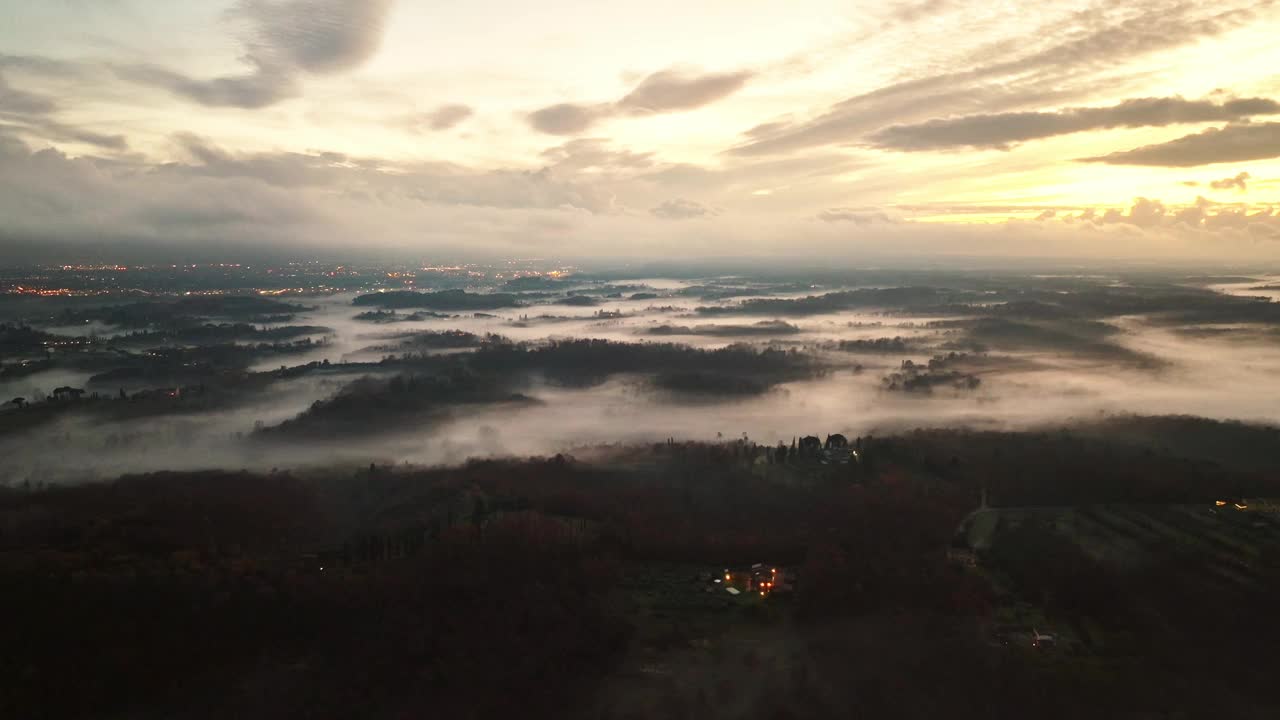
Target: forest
{"x": 574, "y": 581}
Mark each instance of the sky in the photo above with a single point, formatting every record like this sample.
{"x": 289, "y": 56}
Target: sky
{"x": 1144, "y": 129}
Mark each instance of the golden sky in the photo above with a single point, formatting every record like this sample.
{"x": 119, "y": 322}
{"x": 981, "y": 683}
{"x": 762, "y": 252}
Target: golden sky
{"x": 588, "y": 128}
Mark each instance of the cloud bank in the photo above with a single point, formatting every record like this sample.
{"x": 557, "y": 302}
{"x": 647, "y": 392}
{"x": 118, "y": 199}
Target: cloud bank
{"x": 285, "y": 40}
{"x": 1233, "y": 143}
{"x": 666, "y": 91}
{"x": 1003, "y": 130}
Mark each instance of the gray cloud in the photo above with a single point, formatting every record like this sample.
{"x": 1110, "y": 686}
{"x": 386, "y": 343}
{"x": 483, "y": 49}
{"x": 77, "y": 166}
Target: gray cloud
{"x": 286, "y": 39}
{"x": 259, "y": 89}
{"x": 671, "y": 91}
{"x": 59, "y": 132}
{"x": 27, "y": 112}
{"x": 13, "y": 100}
{"x": 1001, "y": 130}
{"x": 384, "y": 180}
{"x": 662, "y": 92}
{"x": 681, "y": 209}
{"x": 908, "y": 12}
{"x": 857, "y": 216}
{"x": 1239, "y": 181}
{"x": 318, "y": 36}
{"x": 446, "y": 116}
{"x": 1233, "y": 143}
{"x": 1065, "y": 69}
{"x": 594, "y": 154}
{"x": 566, "y": 118}
{"x": 214, "y": 196}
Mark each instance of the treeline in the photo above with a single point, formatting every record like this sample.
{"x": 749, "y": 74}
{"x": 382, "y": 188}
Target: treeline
{"x": 210, "y": 333}
{"x": 186, "y": 311}
{"x": 896, "y": 298}
{"x": 437, "y": 300}
{"x": 437, "y": 340}
{"x": 371, "y": 405}
{"x": 591, "y": 361}
{"x": 764, "y": 327}
{"x": 1086, "y": 463}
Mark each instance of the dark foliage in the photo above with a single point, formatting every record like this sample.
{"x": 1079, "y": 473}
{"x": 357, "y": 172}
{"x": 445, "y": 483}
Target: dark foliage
{"x": 439, "y": 300}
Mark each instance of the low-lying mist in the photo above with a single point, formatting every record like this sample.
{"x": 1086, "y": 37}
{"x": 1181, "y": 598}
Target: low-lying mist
{"x": 692, "y": 359}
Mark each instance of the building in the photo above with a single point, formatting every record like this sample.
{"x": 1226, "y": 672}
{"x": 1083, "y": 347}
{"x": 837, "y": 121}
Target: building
{"x": 1043, "y": 641}
{"x": 760, "y": 579}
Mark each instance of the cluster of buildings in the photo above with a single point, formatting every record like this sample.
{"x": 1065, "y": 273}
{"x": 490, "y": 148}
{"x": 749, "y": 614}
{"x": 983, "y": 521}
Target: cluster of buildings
{"x": 759, "y": 579}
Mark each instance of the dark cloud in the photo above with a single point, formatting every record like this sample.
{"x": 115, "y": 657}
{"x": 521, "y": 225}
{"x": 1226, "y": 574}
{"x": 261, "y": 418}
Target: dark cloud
{"x": 1001, "y": 130}
{"x": 662, "y": 92}
{"x": 48, "y": 67}
{"x": 433, "y": 183}
{"x": 909, "y": 12}
{"x": 446, "y": 117}
{"x": 681, "y": 209}
{"x": 1233, "y": 143}
{"x": 23, "y": 112}
{"x": 58, "y": 132}
{"x": 671, "y": 91}
{"x": 857, "y": 216}
{"x": 21, "y": 102}
{"x": 566, "y": 118}
{"x": 999, "y": 80}
{"x": 318, "y": 36}
{"x": 259, "y": 89}
{"x": 284, "y": 203}
{"x": 10, "y": 145}
{"x": 287, "y": 39}
{"x": 1240, "y": 181}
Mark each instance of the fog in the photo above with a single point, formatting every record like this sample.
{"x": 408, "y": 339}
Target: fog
{"x": 1224, "y": 371}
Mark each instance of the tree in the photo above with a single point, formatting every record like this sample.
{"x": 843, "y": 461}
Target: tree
{"x": 19, "y": 401}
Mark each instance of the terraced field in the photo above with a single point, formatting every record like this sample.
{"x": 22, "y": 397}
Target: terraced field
{"x": 1107, "y": 577}
{"x": 1220, "y": 544}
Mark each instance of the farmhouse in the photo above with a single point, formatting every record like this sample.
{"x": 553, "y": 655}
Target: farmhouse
{"x": 759, "y": 579}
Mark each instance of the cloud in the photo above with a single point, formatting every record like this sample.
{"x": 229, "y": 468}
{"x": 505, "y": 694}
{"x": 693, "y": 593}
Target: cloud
{"x": 28, "y": 113}
{"x": 857, "y": 216}
{"x": 671, "y": 91}
{"x": 447, "y": 116}
{"x": 264, "y": 87}
{"x": 1232, "y": 143}
{"x": 566, "y": 118}
{"x": 1204, "y": 215}
{"x": 21, "y": 102}
{"x": 1239, "y": 181}
{"x": 318, "y": 36}
{"x": 286, "y": 39}
{"x": 52, "y": 130}
{"x": 665, "y": 91}
{"x": 1001, "y": 130}
{"x": 222, "y": 204}
{"x": 1069, "y": 67}
{"x": 681, "y": 209}
{"x": 383, "y": 180}
{"x": 594, "y": 154}
{"x": 908, "y": 12}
